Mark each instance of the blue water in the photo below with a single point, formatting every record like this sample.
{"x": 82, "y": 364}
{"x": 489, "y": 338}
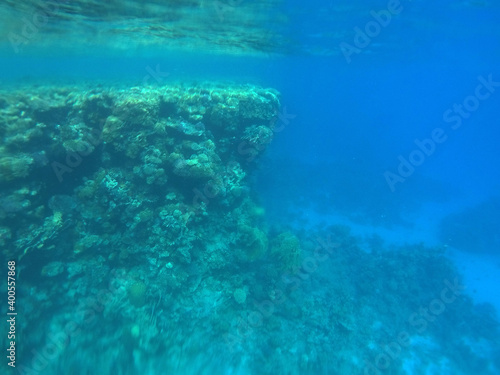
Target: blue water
{"x": 390, "y": 148}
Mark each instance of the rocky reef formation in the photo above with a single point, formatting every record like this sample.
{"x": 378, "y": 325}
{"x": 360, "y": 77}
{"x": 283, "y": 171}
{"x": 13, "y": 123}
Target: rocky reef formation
{"x": 100, "y": 167}
{"x": 140, "y": 248}
{"x": 144, "y": 188}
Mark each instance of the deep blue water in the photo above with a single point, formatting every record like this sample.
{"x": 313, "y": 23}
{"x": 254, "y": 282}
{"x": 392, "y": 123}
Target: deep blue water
{"x": 422, "y": 96}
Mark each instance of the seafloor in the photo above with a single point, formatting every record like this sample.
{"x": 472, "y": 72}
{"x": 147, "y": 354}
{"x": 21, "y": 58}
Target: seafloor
{"x": 142, "y": 249}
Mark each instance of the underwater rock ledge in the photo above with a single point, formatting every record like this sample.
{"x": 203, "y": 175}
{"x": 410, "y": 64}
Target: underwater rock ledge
{"x": 141, "y": 249}
{"x": 141, "y": 163}
{"x": 139, "y": 193}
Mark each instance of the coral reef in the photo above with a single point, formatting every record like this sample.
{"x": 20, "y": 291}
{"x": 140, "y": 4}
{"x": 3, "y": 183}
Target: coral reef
{"x": 138, "y": 240}
{"x": 142, "y": 162}
{"x": 286, "y": 249}
{"x": 137, "y": 294}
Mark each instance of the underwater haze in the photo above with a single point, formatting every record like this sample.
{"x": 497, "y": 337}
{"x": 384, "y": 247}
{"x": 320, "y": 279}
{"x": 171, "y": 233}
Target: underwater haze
{"x": 250, "y": 187}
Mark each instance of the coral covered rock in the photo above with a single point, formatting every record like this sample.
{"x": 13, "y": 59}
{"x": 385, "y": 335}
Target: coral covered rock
{"x": 286, "y": 248}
